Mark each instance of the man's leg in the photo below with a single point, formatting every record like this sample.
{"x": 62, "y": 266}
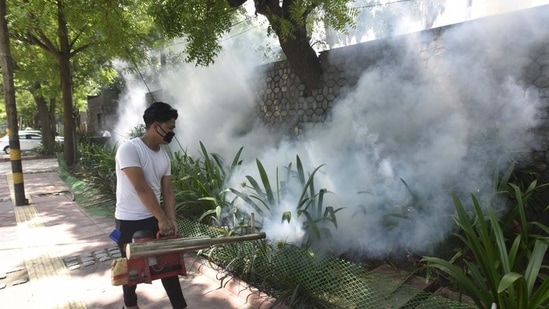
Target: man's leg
{"x": 174, "y": 292}
{"x": 127, "y": 228}
{"x": 130, "y": 297}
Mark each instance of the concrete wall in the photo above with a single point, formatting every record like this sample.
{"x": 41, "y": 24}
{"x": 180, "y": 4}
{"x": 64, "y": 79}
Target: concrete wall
{"x": 102, "y": 111}
{"x": 285, "y": 103}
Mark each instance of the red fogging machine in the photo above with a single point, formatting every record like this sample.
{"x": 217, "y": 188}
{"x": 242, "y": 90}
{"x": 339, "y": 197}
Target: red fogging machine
{"x": 149, "y": 258}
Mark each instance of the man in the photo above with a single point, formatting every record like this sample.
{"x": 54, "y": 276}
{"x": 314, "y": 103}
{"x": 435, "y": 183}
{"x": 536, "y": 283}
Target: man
{"x": 143, "y": 176}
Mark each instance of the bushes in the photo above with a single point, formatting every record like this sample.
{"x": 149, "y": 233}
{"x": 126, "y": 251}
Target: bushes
{"x": 97, "y": 165}
{"x": 493, "y": 269}
{"x": 498, "y": 259}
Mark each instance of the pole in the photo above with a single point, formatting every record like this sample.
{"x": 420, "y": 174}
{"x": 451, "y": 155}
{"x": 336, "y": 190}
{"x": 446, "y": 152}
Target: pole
{"x": 6, "y": 62}
{"x": 172, "y": 245}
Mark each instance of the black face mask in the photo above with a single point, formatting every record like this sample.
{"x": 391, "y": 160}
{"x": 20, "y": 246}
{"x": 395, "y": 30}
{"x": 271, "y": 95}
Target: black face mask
{"x": 168, "y": 136}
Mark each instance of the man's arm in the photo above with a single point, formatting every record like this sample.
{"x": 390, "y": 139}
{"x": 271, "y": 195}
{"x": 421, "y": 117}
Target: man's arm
{"x": 147, "y": 196}
{"x": 169, "y": 198}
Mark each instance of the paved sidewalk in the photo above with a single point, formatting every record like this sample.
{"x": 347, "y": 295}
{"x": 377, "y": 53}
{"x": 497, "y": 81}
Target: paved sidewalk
{"x": 53, "y": 254}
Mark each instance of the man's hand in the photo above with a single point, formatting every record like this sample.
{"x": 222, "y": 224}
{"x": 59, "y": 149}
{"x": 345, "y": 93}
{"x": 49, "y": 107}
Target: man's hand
{"x": 174, "y": 223}
{"x": 167, "y": 227}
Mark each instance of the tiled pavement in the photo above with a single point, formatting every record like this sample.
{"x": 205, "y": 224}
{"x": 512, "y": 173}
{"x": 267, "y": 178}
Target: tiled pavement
{"x": 53, "y": 254}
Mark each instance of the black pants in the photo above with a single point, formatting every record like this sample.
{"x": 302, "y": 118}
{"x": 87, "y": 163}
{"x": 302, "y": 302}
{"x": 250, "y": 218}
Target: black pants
{"x": 171, "y": 284}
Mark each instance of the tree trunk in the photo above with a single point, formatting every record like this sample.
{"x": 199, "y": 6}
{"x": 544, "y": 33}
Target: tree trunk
{"x": 69, "y": 142}
{"x": 45, "y": 121}
{"x": 6, "y": 63}
{"x": 303, "y": 58}
{"x": 52, "y": 117}
{"x": 64, "y": 57}
{"x": 296, "y": 46}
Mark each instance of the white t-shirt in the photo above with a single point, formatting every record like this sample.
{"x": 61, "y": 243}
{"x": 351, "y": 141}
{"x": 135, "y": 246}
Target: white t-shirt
{"x": 155, "y": 165}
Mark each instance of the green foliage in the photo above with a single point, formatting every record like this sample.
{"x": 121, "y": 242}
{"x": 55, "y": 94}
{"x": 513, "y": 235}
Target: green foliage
{"x": 137, "y": 131}
{"x": 266, "y": 200}
{"x": 495, "y": 269}
{"x": 57, "y": 147}
{"x": 337, "y": 14}
{"x": 72, "y": 43}
{"x": 198, "y": 184}
{"x": 203, "y": 23}
{"x": 97, "y": 165}
{"x": 201, "y": 195}
{"x": 302, "y": 279}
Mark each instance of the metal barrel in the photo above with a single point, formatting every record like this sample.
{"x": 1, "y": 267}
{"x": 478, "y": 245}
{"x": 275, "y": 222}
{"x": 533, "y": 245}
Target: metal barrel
{"x": 172, "y": 245}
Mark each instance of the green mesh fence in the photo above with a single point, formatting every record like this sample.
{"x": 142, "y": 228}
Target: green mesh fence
{"x": 294, "y": 275}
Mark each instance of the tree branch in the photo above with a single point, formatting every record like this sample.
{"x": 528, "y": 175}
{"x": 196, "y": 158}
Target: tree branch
{"x": 77, "y": 36}
{"x": 79, "y": 49}
{"x": 236, "y": 3}
{"x": 268, "y": 8}
{"x": 42, "y": 41}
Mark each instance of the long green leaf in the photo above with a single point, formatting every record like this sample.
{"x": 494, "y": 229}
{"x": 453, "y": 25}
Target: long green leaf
{"x": 220, "y": 167}
{"x": 534, "y": 264}
{"x": 308, "y": 183}
{"x": 500, "y": 241}
{"x": 330, "y": 213}
{"x": 320, "y": 202}
{"x": 480, "y": 283}
{"x": 506, "y": 284}
{"x": 514, "y": 250}
{"x": 459, "y": 276}
{"x": 507, "y": 175}
{"x": 486, "y": 254}
{"x": 207, "y": 163}
{"x": 248, "y": 201}
{"x": 542, "y": 227}
{"x": 521, "y": 209}
{"x": 479, "y": 241}
{"x": 311, "y": 223}
{"x": 540, "y": 299}
{"x": 236, "y": 159}
{"x": 300, "y": 171}
{"x": 265, "y": 180}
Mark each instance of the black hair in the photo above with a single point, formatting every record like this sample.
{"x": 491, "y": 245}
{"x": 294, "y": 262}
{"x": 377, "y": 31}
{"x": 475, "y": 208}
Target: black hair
{"x": 159, "y": 112}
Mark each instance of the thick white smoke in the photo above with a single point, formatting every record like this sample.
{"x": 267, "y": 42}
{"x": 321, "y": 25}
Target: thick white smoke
{"x": 440, "y": 125}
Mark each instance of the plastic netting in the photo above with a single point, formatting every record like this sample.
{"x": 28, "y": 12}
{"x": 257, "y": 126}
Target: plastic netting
{"x": 315, "y": 281}
{"x": 291, "y": 274}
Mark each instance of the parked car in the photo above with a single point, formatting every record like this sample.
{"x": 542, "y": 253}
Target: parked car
{"x": 28, "y": 140}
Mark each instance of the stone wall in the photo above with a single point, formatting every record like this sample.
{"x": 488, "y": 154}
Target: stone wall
{"x": 284, "y": 102}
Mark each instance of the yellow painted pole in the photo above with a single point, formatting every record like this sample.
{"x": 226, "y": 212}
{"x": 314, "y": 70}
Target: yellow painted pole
{"x": 17, "y": 169}
{"x": 7, "y": 67}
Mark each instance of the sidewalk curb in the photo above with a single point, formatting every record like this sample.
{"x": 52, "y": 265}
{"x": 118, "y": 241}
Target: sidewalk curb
{"x": 6, "y": 158}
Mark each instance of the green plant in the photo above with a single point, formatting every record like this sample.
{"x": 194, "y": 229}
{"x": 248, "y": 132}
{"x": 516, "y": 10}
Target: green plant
{"x": 198, "y": 184}
{"x": 490, "y": 272}
{"x": 137, "y": 131}
{"x": 310, "y": 203}
{"x": 97, "y": 165}
{"x": 56, "y": 148}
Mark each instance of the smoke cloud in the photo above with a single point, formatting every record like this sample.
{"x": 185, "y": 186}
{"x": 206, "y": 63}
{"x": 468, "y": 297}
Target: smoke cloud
{"x": 396, "y": 146}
